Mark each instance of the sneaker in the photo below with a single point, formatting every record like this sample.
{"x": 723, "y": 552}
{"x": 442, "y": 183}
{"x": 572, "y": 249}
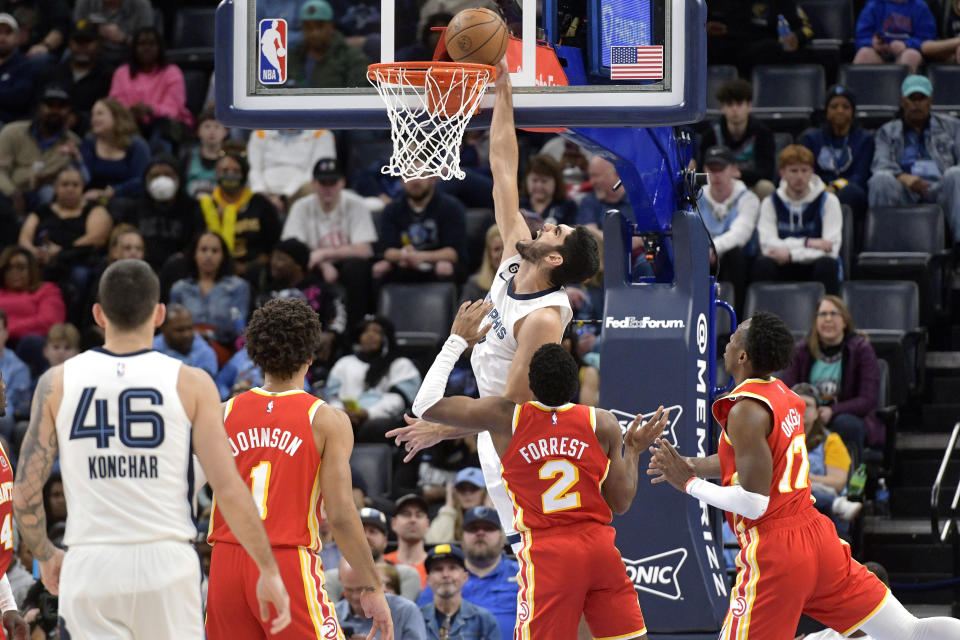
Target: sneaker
{"x": 846, "y": 510}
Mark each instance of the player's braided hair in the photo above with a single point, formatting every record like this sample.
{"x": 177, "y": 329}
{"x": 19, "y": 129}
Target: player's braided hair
{"x": 769, "y": 343}
{"x": 581, "y": 258}
{"x": 554, "y": 376}
{"x": 282, "y": 336}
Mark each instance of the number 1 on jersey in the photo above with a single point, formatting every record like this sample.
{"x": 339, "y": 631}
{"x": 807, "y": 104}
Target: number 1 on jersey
{"x": 556, "y": 497}
{"x": 259, "y": 487}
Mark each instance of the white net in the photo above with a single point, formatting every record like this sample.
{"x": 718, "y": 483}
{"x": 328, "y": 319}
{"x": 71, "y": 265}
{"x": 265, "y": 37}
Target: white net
{"x": 429, "y": 106}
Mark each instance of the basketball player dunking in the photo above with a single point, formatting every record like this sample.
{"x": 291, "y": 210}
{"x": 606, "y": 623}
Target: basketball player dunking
{"x": 124, "y": 420}
{"x": 556, "y": 456}
{"x": 295, "y": 449}
{"x": 791, "y": 560}
{"x": 530, "y": 305}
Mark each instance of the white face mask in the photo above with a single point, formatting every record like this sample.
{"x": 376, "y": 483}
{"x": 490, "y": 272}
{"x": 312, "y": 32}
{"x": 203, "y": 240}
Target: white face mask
{"x": 162, "y": 188}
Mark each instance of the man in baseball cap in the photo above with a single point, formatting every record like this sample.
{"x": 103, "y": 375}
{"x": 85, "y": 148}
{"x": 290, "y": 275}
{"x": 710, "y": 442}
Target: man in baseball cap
{"x": 323, "y": 58}
{"x": 448, "y": 614}
{"x": 729, "y": 209}
{"x": 491, "y": 581}
{"x": 916, "y": 156}
{"x": 410, "y": 525}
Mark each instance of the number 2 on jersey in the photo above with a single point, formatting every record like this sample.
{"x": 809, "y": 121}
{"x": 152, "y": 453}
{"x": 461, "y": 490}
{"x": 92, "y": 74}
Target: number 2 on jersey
{"x": 556, "y": 497}
{"x": 798, "y": 446}
{"x": 259, "y": 487}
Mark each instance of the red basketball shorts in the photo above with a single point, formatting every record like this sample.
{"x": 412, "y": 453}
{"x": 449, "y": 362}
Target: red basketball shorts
{"x": 795, "y": 565}
{"x": 232, "y": 609}
{"x": 572, "y": 570}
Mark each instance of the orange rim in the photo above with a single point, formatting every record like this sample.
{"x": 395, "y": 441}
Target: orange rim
{"x": 415, "y": 73}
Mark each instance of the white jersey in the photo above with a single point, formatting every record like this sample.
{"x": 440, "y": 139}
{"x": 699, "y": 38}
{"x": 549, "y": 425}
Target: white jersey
{"x": 125, "y": 449}
{"x": 491, "y": 361}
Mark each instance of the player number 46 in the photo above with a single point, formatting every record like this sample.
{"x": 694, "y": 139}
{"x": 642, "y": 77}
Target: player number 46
{"x": 556, "y": 497}
{"x": 798, "y": 447}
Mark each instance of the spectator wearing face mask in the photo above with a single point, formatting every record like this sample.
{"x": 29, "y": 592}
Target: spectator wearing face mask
{"x": 165, "y": 215}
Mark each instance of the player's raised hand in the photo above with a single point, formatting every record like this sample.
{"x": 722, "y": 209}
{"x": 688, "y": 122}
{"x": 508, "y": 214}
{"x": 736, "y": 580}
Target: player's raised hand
{"x": 639, "y": 437}
{"x": 50, "y": 571}
{"x": 374, "y": 605}
{"x": 673, "y": 467}
{"x": 416, "y": 436}
{"x": 469, "y": 319}
{"x": 270, "y": 591}
{"x": 503, "y": 72}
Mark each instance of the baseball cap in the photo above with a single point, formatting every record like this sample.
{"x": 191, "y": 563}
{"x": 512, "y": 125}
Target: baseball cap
{"x": 839, "y": 90}
{"x": 471, "y": 475}
{"x": 327, "y": 169}
{"x": 718, "y": 155}
{"x": 916, "y": 84}
{"x": 374, "y": 517}
{"x": 316, "y": 10}
{"x": 481, "y": 514}
{"x": 54, "y": 92}
{"x": 85, "y": 30}
{"x": 444, "y": 552}
{"x": 301, "y": 255}
{"x": 412, "y": 497}
{"x": 10, "y": 21}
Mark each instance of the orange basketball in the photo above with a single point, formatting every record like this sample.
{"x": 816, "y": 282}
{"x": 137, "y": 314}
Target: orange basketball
{"x": 476, "y": 35}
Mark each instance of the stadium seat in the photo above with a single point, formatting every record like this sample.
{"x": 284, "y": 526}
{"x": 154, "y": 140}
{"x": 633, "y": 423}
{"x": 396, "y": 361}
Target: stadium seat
{"x": 832, "y": 22}
{"x": 846, "y": 243}
{"x": 781, "y": 140}
{"x": 877, "y": 88}
{"x": 197, "y": 83}
{"x": 191, "y": 42}
{"x": 794, "y": 302}
{"x": 945, "y": 79}
{"x": 478, "y": 221}
{"x": 726, "y": 292}
{"x": 374, "y": 463}
{"x": 787, "y": 94}
{"x": 889, "y": 313}
{"x": 907, "y": 243}
{"x": 717, "y": 74}
{"x": 422, "y": 315}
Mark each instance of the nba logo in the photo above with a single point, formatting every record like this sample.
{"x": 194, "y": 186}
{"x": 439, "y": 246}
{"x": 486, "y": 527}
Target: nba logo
{"x": 121, "y": 370}
{"x": 273, "y": 51}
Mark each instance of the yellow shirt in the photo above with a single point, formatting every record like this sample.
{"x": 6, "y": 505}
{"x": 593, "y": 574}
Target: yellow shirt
{"x": 835, "y": 453}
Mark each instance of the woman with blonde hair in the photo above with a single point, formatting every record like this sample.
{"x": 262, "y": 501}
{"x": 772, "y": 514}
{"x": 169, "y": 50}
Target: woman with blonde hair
{"x": 114, "y": 155}
{"x": 841, "y": 365}
{"x": 480, "y": 282}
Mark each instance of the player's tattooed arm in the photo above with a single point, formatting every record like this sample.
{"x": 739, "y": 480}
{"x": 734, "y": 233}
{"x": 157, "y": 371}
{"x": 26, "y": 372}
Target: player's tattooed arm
{"x": 37, "y": 455}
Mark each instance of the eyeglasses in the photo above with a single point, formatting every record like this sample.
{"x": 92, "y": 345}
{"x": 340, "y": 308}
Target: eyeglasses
{"x": 828, "y": 314}
{"x": 19, "y": 266}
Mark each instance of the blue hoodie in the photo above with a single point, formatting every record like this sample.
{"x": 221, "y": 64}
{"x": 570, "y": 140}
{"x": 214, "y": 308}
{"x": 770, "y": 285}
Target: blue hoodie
{"x": 909, "y": 20}
{"x": 848, "y": 157}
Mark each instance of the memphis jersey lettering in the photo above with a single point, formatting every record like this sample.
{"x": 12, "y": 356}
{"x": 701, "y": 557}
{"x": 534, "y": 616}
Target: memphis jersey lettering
{"x": 271, "y": 437}
{"x": 273, "y": 51}
{"x": 125, "y": 449}
{"x": 555, "y": 466}
{"x": 790, "y": 487}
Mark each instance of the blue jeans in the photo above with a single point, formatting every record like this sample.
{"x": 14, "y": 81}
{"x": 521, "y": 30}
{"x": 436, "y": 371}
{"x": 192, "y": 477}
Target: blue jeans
{"x": 886, "y": 190}
{"x": 852, "y": 429}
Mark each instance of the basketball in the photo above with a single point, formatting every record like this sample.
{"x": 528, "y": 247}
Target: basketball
{"x": 476, "y": 35}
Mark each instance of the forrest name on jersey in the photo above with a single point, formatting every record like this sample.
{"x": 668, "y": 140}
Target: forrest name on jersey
{"x": 553, "y": 446}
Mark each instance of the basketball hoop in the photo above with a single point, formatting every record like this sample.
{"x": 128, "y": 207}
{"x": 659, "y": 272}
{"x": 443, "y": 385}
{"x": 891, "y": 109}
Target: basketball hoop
{"x": 429, "y": 105}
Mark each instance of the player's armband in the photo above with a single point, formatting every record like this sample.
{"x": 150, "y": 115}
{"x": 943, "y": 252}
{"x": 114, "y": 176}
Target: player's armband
{"x": 435, "y": 382}
{"x": 734, "y": 498}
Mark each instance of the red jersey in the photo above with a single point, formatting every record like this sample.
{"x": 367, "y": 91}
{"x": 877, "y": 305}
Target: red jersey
{"x": 272, "y": 441}
{"x": 555, "y": 466}
{"x": 6, "y": 512}
{"x": 790, "y": 487}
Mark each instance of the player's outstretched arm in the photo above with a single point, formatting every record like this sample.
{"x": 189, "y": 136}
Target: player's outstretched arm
{"x": 504, "y": 165}
{"x": 620, "y": 487}
{"x": 201, "y": 401}
{"x": 334, "y": 437}
{"x": 708, "y": 467}
{"x": 536, "y": 329}
{"x": 37, "y": 455}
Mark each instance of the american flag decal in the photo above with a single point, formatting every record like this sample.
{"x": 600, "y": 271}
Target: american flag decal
{"x": 636, "y": 63}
